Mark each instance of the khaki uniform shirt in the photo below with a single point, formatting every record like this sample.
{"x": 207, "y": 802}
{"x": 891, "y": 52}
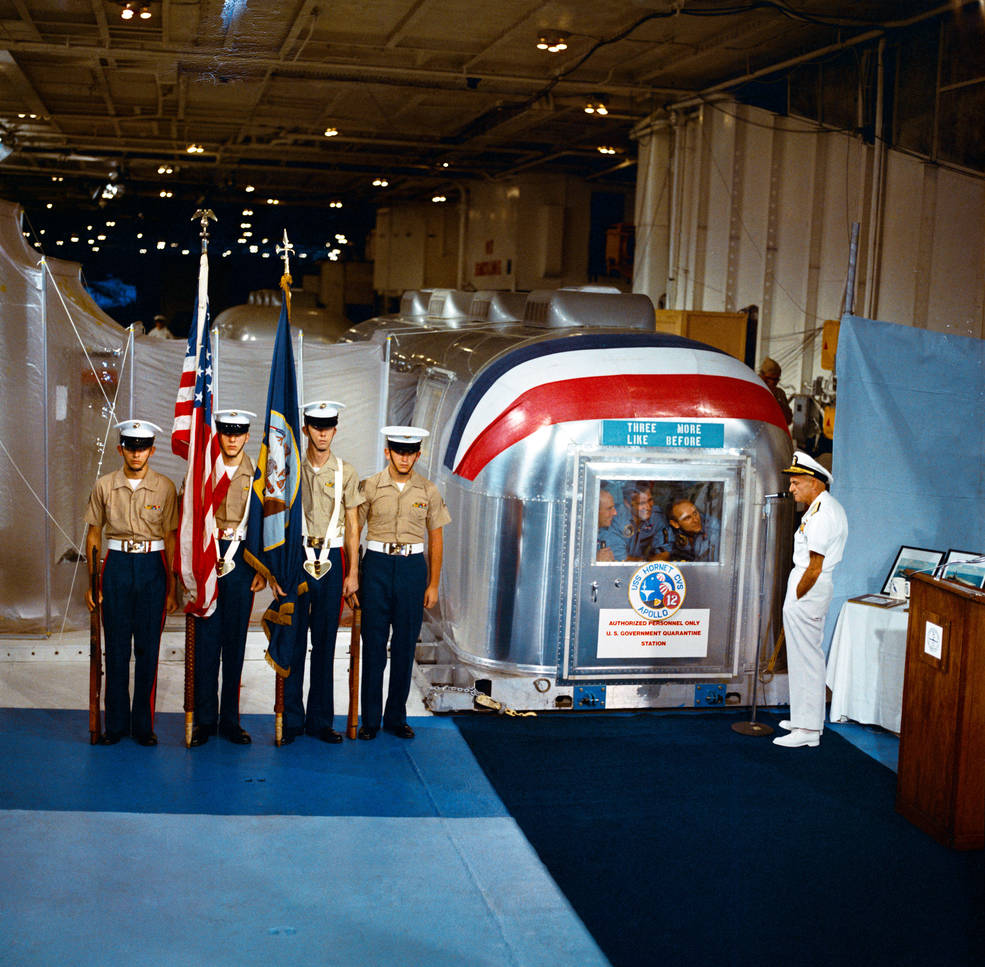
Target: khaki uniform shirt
{"x": 148, "y": 513}
{"x": 318, "y": 495}
{"x": 230, "y": 514}
{"x": 401, "y": 517}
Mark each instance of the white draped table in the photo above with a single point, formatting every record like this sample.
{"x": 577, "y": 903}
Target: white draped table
{"x": 866, "y": 664}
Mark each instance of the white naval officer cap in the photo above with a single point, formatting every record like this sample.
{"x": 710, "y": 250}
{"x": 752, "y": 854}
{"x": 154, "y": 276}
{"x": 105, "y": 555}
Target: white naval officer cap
{"x": 322, "y": 413}
{"x": 404, "y": 439}
{"x": 233, "y": 421}
{"x": 137, "y": 434}
{"x": 805, "y": 465}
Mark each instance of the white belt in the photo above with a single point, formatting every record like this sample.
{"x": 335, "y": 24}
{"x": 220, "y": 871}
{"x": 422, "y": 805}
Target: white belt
{"x": 317, "y": 542}
{"x": 229, "y": 533}
{"x": 391, "y": 548}
{"x": 134, "y": 547}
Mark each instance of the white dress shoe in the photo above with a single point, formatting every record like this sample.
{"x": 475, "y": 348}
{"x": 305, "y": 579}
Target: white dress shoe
{"x": 797, "y": 738}
{"x": 788, "y": 725}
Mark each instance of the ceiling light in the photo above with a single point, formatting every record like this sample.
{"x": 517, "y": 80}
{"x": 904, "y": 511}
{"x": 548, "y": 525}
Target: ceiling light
{"x": 380, "y": 183}
{"x": 273, "y": 201}
{"x": 254, "y": 249}
{"x": 166, "y": 194}
{"x": 605, "y": 149}
{"x": 246, "y": 224}
{"x": 249, "y": 188}
{"x": 331, "y": 132}
{"x": 165, "y": 170}
{"x": 128, "y": 11}
{"x": 437, "y": 199}
{"x": 143, "y": 251}
{"x": 595, "y": 105}
{"x": 195, "y": 149}
{"x": 49, "y": 205}
{"x": 552, "y": 41}
{"x": 247, "y": 212}
{"x": 161, "y": 246}
{"x": 335, "y": 204}
{"x": 145, "y": 13}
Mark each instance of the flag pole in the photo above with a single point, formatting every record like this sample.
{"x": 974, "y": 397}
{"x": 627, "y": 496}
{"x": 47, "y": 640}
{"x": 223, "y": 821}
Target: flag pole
{"x": 203, "y": 215}
{"x": 284, "y": 251}
{"x": 215, "y": 368}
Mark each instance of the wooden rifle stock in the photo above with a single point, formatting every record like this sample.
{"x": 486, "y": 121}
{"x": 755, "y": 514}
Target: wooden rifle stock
{"x": 352, "y": 722}
{"x": 95, "y": 651}
{"x": 189, "y": 678}
{"x": 278, "y": 710}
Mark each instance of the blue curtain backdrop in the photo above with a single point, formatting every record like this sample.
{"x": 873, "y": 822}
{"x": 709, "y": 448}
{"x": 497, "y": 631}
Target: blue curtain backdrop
{"x": 909, "y": 447}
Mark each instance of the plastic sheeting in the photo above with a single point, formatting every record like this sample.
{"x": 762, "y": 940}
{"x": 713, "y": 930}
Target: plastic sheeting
{"x": 909, "y": 447}
{"x": 65, "y": 365}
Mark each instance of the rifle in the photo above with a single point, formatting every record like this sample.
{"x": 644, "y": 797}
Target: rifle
{"x": 278, "y": 709}
{"x": 189, "y": 678}
{"x": 95, "y": 651}
{"x": 352, "y": 722}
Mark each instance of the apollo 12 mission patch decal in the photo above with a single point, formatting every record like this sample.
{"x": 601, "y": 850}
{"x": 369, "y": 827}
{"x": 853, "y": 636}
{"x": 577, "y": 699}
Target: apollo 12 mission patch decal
{"x": 657, "y": 590}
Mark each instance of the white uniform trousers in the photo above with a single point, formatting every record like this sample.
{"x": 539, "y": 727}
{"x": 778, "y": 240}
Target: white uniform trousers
{"x": 803, "y": 627}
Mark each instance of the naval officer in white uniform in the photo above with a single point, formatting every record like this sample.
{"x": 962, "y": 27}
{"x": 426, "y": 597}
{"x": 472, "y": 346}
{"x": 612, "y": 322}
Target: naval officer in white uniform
{"x": 818, "y": 546}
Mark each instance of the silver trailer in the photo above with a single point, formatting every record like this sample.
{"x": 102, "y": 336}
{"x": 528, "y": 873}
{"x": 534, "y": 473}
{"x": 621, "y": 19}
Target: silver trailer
{"x": 534, "y": 420}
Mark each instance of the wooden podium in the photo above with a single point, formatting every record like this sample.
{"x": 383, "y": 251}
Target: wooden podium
{"x": 941, "y": 777}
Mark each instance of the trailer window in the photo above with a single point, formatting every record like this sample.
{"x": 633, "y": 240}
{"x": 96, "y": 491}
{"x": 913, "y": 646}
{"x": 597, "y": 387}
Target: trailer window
{"x": 659, "y": 520}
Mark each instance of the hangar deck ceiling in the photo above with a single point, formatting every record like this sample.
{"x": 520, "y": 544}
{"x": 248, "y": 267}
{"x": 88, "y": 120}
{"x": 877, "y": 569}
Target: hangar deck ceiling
{"x": 426, "y": 94}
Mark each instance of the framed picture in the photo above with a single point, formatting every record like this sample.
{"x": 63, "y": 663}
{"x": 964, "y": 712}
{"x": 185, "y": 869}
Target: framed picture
{"x": 910, "y": 559}
{"x": 965, "y": 566}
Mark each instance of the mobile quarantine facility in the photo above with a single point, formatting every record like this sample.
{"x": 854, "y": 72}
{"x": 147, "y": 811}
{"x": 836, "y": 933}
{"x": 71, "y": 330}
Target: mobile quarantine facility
{"x": 619, "y": 532}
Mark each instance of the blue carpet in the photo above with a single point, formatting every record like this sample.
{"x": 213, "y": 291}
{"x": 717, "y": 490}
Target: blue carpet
{"x": 388, "y": 853}
{"x": 672, "y": 834}
{"x": 46, "y": 762}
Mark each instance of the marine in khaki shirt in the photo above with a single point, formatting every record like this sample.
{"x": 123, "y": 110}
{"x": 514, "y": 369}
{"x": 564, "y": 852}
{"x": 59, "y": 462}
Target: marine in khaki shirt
{"x": 329, "y": 498}
{"x": 403, "y": 513}
{"x": 220, "y": 639}
{"x": 137, "y": 507}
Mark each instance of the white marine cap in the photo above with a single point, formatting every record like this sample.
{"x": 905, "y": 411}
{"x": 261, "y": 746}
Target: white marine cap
{"x": 404, "y": 437}
{"x": 238, "y": 420}
{"x": 322, "y": 413}
{"x": 805, "y": 465}
{"x": 138, "y": 431}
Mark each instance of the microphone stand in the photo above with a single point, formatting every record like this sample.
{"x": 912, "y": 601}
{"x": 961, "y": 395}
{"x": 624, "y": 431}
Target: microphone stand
{"x": 752, "y": 727}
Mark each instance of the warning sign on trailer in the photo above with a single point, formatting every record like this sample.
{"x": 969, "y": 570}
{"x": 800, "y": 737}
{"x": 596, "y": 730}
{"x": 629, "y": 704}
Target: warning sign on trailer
{"x": 624, "y": 634}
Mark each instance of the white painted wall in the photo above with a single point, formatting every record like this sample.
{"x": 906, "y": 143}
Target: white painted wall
{"x": 736, "y": 206}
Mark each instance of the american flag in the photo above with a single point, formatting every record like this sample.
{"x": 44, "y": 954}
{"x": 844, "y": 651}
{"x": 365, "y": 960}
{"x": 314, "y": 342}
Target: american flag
{"x": 193, "y": 436}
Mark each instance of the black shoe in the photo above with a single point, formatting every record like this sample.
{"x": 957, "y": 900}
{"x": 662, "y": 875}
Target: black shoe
{"x": 235, "y": 734}
{"x": 289, "y": 735}
{"x": 148, "y": 739}
{"x": 329, "y": 735}
{"x": 200, "y": 735}
{"x": 400, "y": 731}
{"x": 367, "y": 732}
{"x": 110, "y": 738}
